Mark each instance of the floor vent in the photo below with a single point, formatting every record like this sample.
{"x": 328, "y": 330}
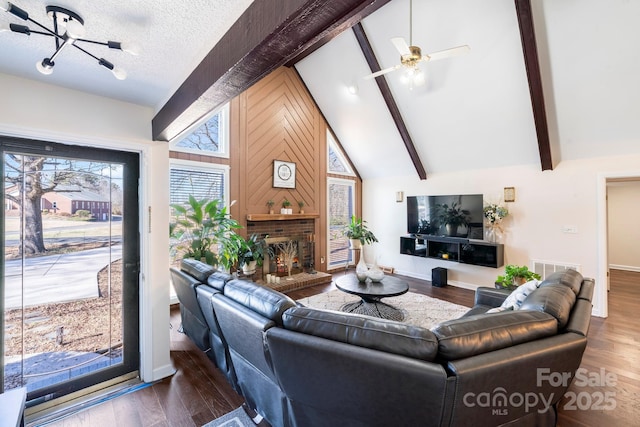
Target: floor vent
{"x": 545, "y": 268}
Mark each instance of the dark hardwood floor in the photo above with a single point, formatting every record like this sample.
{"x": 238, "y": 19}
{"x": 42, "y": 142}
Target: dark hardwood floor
{"x": 198, "y": 392}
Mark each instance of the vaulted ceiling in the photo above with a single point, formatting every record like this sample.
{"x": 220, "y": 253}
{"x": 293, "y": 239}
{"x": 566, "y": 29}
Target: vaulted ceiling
{"x": 474, "y": 111}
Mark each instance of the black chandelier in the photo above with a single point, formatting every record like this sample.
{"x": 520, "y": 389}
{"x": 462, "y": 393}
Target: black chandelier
{"x": 68, "y": 29}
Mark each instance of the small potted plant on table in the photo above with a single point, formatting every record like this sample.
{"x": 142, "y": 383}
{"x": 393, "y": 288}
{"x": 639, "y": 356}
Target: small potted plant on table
{"x": 286, "y": 207}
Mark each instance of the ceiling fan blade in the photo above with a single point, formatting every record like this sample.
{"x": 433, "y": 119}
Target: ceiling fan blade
{"x": 401, "y": 45}
{"x": 381, "y": 72}
{"x": 447, "y": 53}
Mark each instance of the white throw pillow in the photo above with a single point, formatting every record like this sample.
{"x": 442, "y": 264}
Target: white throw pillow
{"x": 516, "y": 298}
{"x": 499, "y": 309}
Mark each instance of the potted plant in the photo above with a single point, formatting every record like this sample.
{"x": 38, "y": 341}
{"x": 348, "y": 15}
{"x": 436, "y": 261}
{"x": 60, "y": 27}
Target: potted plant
{"x": 358, "y": 233}
{"x": 270, "y": 204}
{"x": 452, "y": 217}
{"x": 285, "y": 206}
{"x": 301, "y": 206}
{"x": 205, "y": 231}
{"x": 514, "y": 276}
{"x": 251, "y": 254}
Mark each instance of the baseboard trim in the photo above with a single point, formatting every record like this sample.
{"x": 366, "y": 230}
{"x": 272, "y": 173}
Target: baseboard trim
{"x": 624, "y": 267}
{"x": 163, "y": 372}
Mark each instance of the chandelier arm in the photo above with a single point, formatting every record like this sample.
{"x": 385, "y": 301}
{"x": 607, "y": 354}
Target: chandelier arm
{"x": 55, "y": 29}
{"x": 86, "y": 51}
{"x": 51, "y": 33}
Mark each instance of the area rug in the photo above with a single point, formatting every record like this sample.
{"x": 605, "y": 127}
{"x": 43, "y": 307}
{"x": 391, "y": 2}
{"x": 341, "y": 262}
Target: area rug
{"x": 236, "y": 418}
{"x": 419, "y": 310}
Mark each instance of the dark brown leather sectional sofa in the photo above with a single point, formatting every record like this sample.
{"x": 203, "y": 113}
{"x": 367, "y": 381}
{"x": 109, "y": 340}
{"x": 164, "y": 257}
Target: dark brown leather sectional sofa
{"x": 300, "y": 366}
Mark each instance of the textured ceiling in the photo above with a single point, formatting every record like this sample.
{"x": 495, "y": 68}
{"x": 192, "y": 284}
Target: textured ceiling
{"x": 173, "y": 37}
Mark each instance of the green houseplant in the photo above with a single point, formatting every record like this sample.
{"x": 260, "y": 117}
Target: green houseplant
{"x": 514, "y": 276}
{"x": 452, "y": 217}
{"x": 251, "y": 253}
{"x": 357, "y": 231}
{"x": 204, "y": 230}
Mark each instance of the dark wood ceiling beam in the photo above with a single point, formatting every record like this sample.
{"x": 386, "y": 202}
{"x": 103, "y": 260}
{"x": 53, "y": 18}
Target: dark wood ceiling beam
{"x": 369, "y": 55}
{"x": 530, "y": 51}
{"x": 269, "y": 34}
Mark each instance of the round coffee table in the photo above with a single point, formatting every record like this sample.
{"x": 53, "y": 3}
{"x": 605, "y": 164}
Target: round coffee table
{"x": 371, "y": 293}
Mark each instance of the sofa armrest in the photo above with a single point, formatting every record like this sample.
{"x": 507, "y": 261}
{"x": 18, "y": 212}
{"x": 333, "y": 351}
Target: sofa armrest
{"x": 491, "y": 297}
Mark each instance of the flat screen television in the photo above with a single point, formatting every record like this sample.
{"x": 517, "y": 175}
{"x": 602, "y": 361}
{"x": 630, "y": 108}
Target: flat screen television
{"x": 422, "y": 215}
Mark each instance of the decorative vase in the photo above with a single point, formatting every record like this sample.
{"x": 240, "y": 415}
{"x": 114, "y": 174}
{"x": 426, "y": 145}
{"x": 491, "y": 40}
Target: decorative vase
{"x": 361, "y": 268}
{"x": 375, "y": 273}
{"x": 493, "y": 233}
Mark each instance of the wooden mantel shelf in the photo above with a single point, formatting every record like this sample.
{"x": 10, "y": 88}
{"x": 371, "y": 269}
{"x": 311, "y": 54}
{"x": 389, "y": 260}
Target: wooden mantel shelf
{"x": 280, "y": 217}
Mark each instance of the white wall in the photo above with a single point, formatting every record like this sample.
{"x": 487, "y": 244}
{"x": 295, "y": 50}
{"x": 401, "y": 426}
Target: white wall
{"x": 39, "y": 111}
{"x": 545, "y": 202}
{"x": 623, "y": 200}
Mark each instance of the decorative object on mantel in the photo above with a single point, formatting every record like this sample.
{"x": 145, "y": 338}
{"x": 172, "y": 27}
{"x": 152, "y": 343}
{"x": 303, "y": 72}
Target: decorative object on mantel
{"x": 68, "y": 29}
{"x": 301, "y": 206}
{"x": 286, "y": 209}
{"x": 284, "y": 174}
{"x": 270, "y": 204}
{"x": 494, "y": 213}
{"x": 514, "y": 276}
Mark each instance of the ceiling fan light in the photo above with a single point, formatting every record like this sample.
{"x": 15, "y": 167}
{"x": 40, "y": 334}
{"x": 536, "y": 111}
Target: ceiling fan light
{"x": 45, "y": 66}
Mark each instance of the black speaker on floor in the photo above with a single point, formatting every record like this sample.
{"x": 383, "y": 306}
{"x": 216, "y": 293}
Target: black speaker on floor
{"x": 439, "y": 277}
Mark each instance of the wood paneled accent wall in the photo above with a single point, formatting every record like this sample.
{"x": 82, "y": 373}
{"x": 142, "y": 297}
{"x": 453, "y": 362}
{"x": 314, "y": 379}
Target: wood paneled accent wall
{"x": 277, "y": 119}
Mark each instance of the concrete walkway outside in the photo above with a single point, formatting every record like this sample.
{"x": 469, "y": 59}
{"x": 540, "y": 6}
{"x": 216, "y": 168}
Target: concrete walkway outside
{"x": 56, "y": 278}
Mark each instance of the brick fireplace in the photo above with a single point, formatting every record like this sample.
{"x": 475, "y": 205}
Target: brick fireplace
{"x": 300, "y": 232}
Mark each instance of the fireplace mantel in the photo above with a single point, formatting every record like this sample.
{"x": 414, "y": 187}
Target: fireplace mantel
{"x": 280, "y": 217}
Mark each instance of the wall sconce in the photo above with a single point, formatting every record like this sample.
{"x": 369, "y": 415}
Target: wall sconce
{"x": 399, "y": 196}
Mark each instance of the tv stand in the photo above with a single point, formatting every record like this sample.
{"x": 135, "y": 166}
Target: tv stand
{"x": 455, "y": 249}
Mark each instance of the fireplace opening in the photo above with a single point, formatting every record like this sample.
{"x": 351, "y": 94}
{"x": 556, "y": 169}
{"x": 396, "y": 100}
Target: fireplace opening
{"x": 286, "y": 256}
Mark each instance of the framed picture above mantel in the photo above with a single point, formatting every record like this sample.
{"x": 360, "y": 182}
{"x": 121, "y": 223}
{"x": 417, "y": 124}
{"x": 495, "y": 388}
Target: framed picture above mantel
{"x": 284, "y": 174}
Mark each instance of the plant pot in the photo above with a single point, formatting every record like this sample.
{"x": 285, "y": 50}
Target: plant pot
{"x": 452, "y": 230}
{"x": 301, "y": 211}
{"x": 355, "y": 244}
{"x": 249, "y": 268}
{"x": 271, "y": 211}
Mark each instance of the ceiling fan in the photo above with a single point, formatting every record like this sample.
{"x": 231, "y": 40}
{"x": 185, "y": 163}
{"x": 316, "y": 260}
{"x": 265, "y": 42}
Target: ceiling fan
{"x": 411, "y": 56}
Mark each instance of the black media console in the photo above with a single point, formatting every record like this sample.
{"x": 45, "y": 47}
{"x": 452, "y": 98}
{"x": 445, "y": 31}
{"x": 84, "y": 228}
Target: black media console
{"x": 456, "y": 249}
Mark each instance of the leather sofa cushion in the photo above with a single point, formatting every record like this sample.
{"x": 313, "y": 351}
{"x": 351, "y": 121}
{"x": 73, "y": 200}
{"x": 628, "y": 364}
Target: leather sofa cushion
{"x": 555, "y": 299}
{"x": 570, "y": 278}
{"x": 218, "y": 279}
{"x": 378, "y": 334}
{"x": 482, "y": 333}
{"x": 197, "y": 269}
{"x": 260, "y": 299}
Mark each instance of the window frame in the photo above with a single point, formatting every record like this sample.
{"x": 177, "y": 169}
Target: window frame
{"x": 224, "y": 125}
{"x": 204, "y": 167}
{"x": 332, "y": 142}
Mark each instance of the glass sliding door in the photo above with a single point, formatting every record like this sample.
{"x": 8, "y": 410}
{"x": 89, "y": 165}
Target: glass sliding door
{"x": 69, "y": 282}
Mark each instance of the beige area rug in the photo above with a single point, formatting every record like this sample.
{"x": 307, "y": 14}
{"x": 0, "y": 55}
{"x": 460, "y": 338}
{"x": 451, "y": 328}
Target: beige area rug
{"x": 419, "y": 310}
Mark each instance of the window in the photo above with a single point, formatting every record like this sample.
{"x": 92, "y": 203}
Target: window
{"x": 202, "y": 180}
{"x": 337, "y": 162}
{"x": 341, "y": 201}
{"x": 209, "y": 136}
